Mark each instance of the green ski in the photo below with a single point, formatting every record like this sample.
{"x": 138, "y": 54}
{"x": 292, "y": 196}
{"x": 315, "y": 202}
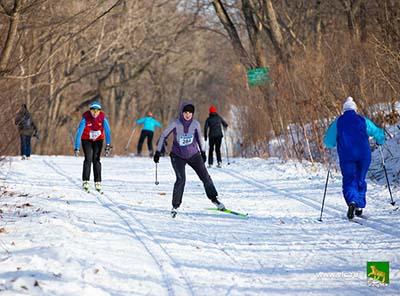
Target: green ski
{"x": 227, "y": 211}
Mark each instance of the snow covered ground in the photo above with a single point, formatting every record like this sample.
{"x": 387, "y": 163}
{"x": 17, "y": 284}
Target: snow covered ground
{"x": 56, "y": 239}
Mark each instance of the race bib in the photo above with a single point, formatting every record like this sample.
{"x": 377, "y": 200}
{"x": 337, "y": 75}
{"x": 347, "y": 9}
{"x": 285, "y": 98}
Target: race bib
{"x": 93, "y": 135}
{"x": 185, "y": 140}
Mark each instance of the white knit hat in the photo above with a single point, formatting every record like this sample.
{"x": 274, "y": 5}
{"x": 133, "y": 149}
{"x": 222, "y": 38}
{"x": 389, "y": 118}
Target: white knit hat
{"x": 349, "y": 104}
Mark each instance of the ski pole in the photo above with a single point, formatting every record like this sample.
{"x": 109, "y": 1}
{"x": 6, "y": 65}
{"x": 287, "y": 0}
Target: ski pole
{"x": 130, "y": 138}
{"x": 387, "y": 179}
{"x": 226, "y": 149}
{"x": 156, "y": 182}
{"x": 326, "y": 186}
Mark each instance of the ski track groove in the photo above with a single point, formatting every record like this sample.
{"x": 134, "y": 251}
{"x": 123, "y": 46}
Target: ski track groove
{"x": 156, "y": 242}
{"x": 331, "y": 210}
{"x": 217, "y": 244}
{"x": 228, "y": 254}
{"x": 168, "y": 278}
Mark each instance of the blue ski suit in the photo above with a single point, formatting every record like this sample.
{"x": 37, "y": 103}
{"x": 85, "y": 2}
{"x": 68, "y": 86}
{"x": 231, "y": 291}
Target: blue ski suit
{"x": 350, "y": 132}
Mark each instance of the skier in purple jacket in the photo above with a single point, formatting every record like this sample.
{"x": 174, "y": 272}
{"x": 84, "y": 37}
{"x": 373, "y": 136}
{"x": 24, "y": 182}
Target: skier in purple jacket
{"x": 187, "y": 148}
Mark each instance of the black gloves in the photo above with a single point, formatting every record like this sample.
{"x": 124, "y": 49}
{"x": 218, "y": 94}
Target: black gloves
{"x": 108, "y": 150}
{"x": 156, "y": 156}
{"x": 203, "y": 155}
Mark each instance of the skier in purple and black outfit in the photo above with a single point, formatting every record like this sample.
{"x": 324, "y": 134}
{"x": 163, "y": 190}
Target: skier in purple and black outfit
{"x": 187, "y": 148}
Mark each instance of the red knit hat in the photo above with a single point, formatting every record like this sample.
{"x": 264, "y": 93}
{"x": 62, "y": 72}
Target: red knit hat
{"x": 212, "y": 109}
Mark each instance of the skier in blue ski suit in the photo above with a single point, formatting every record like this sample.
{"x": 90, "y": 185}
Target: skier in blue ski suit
{"x": 350, "y": 132}
{"x": 149, "y": 125}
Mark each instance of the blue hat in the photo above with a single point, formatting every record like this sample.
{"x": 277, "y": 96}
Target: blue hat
{"x": 95, "y": 105}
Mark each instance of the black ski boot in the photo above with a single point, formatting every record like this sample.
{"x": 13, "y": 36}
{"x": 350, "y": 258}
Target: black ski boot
{"x": 174, "y": 212}
{"x": 350, "y": 211}
{"x": 358, "y": 212}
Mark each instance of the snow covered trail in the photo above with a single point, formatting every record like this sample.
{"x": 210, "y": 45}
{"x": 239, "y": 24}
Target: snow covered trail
{"x": 58, "y": 240}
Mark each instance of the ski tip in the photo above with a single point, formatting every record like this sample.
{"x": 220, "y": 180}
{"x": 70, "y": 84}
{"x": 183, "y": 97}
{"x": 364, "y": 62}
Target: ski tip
{"x": 227, "y": 211}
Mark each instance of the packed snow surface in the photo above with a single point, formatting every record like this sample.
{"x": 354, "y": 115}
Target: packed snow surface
{"x": 56, "y": 239}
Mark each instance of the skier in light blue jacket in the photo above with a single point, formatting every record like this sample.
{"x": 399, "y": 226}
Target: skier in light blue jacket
{"x": 149, "y": 125}
{"x": 350, "y": 132}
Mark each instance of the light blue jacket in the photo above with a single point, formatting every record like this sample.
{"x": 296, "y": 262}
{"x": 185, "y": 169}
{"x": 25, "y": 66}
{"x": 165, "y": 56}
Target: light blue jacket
{"x": 149, "y": 123}
{"x": 350, "y": 132}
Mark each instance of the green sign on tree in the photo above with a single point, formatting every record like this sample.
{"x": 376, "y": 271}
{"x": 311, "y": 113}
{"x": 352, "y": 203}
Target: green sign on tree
{"x": 257, "y": 76}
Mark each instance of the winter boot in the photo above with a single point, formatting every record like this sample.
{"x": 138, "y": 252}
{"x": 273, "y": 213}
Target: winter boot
{"x": 219, "y": 165}
{"x": 220, "y": 206}
{"x": 358, "y": 212}
{"x": 85, "y": 185}
{"x": 209, "y": 166}
{"x": 23, "y": 157}
{"x": 97, "y": 185}
{"x": 174, "y": 212}
{"x": 350, "y": 211}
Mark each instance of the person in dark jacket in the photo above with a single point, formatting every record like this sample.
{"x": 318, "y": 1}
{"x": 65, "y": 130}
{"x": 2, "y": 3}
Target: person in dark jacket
{"x": 187, "y": 148}
{"x": 92, "y": 130}
{"x": 27, "y": 129}
{"x": 214, "y": 123}
{"x": 350, "y": 132}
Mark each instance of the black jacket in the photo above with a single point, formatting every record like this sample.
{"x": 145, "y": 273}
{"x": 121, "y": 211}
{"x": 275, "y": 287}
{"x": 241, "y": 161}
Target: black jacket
{"x": 26, "y": 126}
{"x": 214, "y": 122}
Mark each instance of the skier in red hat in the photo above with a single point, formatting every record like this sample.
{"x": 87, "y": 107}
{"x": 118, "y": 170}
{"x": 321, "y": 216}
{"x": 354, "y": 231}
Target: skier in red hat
{"x": 213, "y": 123}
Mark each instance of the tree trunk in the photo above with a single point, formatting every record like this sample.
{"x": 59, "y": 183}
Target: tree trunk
{"x": 351, "y": 8}
{"x": 317, "y": 26}
{"x": 233, "y": 34}
{"x": 11, "y": 37}
{"x": 255, "y": 30}
{"x": 275, "y": 33}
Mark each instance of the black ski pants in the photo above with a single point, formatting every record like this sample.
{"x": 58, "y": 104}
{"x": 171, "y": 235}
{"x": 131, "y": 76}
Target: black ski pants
{"x": 143, "y": 135}
{"x": 214, "y": 142}
{"x": 92, "y": 151}
{"x": 197, "y": 164}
